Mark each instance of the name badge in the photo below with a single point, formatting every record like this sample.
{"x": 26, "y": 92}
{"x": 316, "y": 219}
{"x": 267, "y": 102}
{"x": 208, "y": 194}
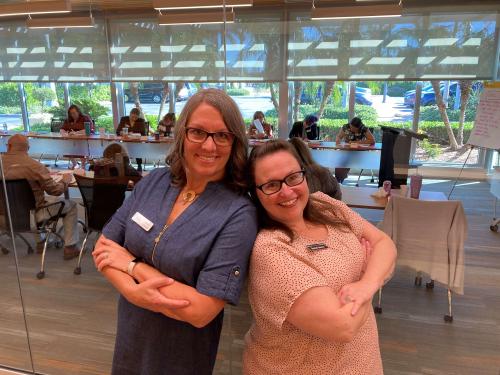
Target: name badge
{"x": 317, "y": 246}
{"x": 142, "y": 221}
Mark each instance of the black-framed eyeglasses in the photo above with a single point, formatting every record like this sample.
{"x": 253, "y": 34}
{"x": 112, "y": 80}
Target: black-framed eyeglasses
{"x": 272, "y": 187}
{"x": 199, "y": 136}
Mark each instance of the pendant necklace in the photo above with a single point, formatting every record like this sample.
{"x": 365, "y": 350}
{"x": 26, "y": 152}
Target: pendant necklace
{"x": 189, "y": 196}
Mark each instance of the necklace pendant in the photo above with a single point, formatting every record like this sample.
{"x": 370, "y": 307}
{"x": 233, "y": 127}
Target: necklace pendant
{"x": 189, "y": 196}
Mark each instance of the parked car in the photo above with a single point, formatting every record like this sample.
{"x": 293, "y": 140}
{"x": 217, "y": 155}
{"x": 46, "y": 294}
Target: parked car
{"x": 428, "y": 96}
{"x": 363, "y": 96}
{"x": 152, "y": 92}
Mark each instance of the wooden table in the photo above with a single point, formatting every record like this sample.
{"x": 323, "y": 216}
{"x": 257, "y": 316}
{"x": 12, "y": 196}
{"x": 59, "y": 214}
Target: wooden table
{"x": 360, "y": 197}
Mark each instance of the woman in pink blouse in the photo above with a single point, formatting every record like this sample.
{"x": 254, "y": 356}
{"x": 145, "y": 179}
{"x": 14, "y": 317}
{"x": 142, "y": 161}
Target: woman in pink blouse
{"x": 315, "y": 267}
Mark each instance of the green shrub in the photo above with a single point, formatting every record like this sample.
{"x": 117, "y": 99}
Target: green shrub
{"x": 398, "y": 89}
{"x": 238, "y": 92}
{"x": 437, "y": 131}
{"x": 42, "y": 95}
{"x": 105, "y": 122}
{"x": 9, "y": 110}
{"x": 153, "y": 122}
{"x": 58, "y": 111}
{"x": 431, "y": 149}
{"x": 91, "y": 107}
{"x": 431, "y": 113}
{"x": 367, "y": 113}
{"x": 9, "y": 95}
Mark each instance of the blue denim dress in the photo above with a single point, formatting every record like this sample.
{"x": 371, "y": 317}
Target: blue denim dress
{"x": 207, "y": 247}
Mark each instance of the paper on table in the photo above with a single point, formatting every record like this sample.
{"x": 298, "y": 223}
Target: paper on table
{"x": 57, "y": 176}
{"x": 76, "y": 133}
{"x": 258, "y": 125}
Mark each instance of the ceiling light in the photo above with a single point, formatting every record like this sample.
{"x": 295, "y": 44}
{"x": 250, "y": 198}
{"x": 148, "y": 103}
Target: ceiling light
{"x": 199, "y": 4}
{"x": 36, "y": 7}
{"x": 59, "y": 23}
{"x": 195, "y": 18}
{"x": 361, "y": 11}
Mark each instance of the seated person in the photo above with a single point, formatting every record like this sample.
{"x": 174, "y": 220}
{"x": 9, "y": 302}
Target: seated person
{"x": 353, "y": 132}
{"x": 109, "y": 155}
{"x": 307, "y": 129}
{"x": 76, "y": 122}
{"x": 18, "y": 165}
{"x": 268, "y": 129}
{"x": 135, "y": 124}
{"x": 318, "y": 177}
{"x": 166, "y": 125}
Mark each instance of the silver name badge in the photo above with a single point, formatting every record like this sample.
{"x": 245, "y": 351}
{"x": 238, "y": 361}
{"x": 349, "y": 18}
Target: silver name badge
{"x": 317, "y": 246}
{"x": 142, "y": 221}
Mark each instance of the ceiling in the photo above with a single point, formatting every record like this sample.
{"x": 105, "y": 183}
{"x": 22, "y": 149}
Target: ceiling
{"x": 126, "y": 5}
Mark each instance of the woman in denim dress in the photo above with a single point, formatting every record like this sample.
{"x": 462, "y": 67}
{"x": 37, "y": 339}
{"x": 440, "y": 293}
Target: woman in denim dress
{"x": 178, "y": 248}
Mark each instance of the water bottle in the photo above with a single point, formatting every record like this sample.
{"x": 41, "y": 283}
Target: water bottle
{"x": 5, "y": 129}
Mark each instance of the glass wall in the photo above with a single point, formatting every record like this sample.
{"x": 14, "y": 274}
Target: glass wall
{"x": 288, "y": 66}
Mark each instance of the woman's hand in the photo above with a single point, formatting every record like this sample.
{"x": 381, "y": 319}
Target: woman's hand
{"x": 361, "y": 291}
{"x": 108, "y": 253}
{"x": 148, "y": 296}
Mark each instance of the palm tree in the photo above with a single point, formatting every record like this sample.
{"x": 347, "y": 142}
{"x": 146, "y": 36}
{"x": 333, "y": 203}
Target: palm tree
{"x": 134, "y": 91}
{"x": 329, "y": 86}
{"x": 274, "y": 98}
{"x": 444, "y": 116}
{"x": 465, "y": 91}
{"x": 296, "y": 99}
{"x": 178, "y": 87}
{"x": 164, "y": 93}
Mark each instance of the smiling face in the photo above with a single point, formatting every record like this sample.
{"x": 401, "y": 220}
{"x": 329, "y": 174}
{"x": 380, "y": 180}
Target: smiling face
{"x": 287, "y": 205}
{"x": 206, "y": 160}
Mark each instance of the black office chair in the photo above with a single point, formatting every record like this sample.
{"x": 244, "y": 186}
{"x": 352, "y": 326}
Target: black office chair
{"x": 55, "y": 127}
{"x": 101, "y": 198}
{"x": 22, "y": 206}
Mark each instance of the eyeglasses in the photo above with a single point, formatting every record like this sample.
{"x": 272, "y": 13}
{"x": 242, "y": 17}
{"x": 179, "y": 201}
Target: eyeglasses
{"x": 293, "y": 179}
{"x": 199, "y": 136}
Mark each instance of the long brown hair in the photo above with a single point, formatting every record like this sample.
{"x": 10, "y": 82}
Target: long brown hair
{"x": 75, "y": 107}
{"x": 235, "y": 176}
{"x": 316, "y": 210}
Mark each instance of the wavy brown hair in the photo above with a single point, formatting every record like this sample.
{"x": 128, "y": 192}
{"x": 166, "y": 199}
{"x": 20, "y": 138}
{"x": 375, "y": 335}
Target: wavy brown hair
{"x": 316, "y": 211}
{"x": 235, "y": 176}
{"x": 75, "y": 107}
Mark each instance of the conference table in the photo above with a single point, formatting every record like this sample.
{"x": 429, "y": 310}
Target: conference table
{"x": 361, "y": 197}
{"x": 93, "y": 146}
{"x": 328, "y": 154}
{"x": 332, "y": 155}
